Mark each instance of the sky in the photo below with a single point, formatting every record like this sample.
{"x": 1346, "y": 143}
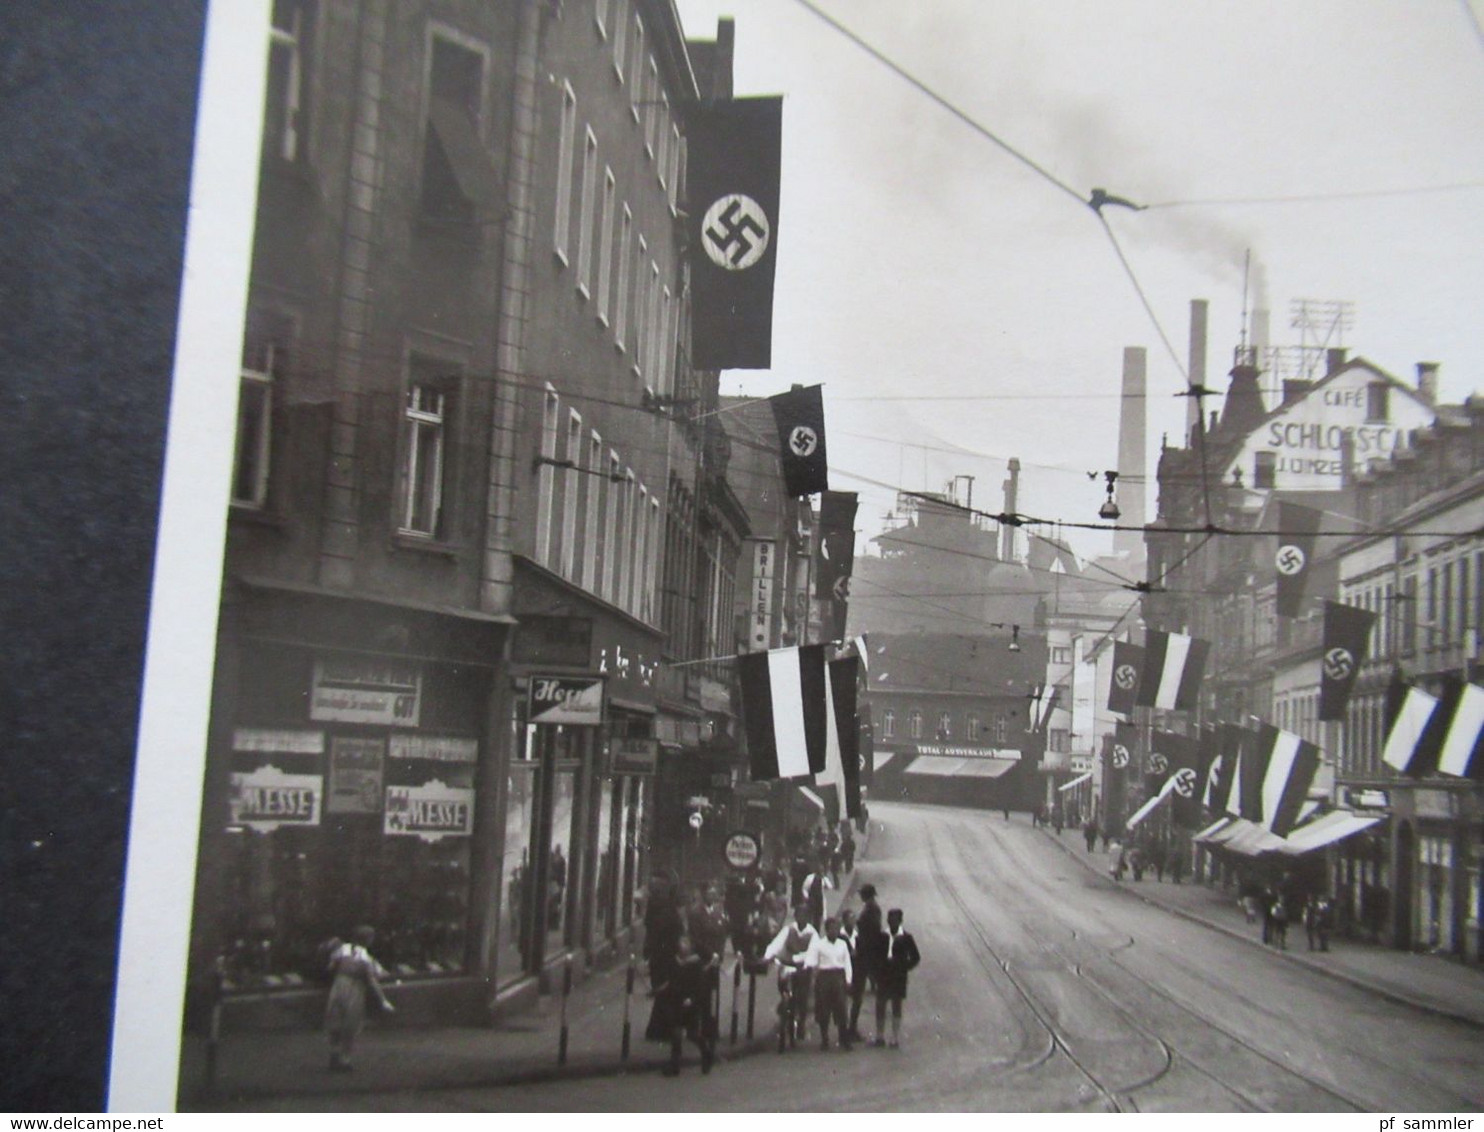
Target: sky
{"x": 962, "y": 305}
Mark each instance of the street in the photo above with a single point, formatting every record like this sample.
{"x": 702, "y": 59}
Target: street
{"x": 1046, "y": 987}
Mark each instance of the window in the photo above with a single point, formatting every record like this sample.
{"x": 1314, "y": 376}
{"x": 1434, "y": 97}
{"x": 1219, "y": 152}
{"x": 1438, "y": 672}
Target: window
{"x": 673, "y": 180}
{"x": 651, "y": 573}
{"x": 620, "y": 39}
{"x": 600, "y": 18}
{"x": 664, "y": 362}
{"x": 945, "y": 726}
{"x": 662, "y": 143}
{"x": 1061, "y": 654}
{"x": 1056, "y": 739}
{"x": 613, "y": 520}
{"x": 264, "y": 353}
{"x": 972, "y": 726}
{"x": 1409, "y": 615}
{"x": 651, "y": 106}
{"x": 652, "y": 327}
{"x": 605, "y": 246}
{"x": 1377, "y": 401}
{"x": 551, "y": 410}
{"x": 914, "y": 725}
{"x": 565, "y": 155}
{"x": 1264, "y": 470}
{"x": 425, "y": 430}
{"x": 626, "y": 563}
{"x": 596, "y": 491}
{"x": 889, "y": 724}
{"x": 641, "y": 550}
{"x": 1001, "y": 730}
{"x": 585, "y": 214}
{"x": 641, "y": 305}
{"x": 636, "y": 67}
{"x": 458, "y": 175}
{"x": 571, "y": 527}
{"x": 621, "y": 271}
{"x": 283, "y": 114}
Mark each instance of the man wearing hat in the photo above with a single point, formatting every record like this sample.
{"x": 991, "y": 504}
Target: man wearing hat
{"x": 870, "y": 952}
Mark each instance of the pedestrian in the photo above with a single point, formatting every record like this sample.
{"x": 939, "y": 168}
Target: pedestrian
{"x": 1090, "y": 834}
{"x": 850, "y": 933}
{"x": 828, "y": 958}
{"x": 1157, "y": 858}
{"x": 787, "y": 950}
{"x": 1318, "y": 920}
{"x": 901, "y": 958}
{"x": 1177, "y": 864}
{"x": 1136, "y": 862}
{"x": 814, "y": 885}
{"x": 664, "y": 924}
{"x": 355, "y": 983}
{"x": 834, "y": 857}
{"x": 847, "y": 849}
{"x": 709, "y": 928}
{"x": 1279, "y": 912}
{"x": 680, "y": 1009}
{"x": 1056, "y": 819}
{"x": 870, "y": 949}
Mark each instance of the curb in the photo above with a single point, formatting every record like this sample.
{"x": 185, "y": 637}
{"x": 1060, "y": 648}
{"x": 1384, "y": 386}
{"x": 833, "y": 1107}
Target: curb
{"x": 1293, "y": 957}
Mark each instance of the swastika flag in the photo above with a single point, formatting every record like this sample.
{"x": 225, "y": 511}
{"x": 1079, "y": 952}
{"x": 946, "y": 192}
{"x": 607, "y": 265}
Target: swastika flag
{"x": 799, "y": 415}
{"x": 1123, "y": 687}
{"x": 734, "y": 151}
{"x": 1297, "y": 527}
{"x": 1347, "y": 629}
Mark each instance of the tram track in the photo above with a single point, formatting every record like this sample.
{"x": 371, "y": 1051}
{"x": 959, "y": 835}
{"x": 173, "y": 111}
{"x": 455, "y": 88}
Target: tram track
{"x": 1121, "y": 1096}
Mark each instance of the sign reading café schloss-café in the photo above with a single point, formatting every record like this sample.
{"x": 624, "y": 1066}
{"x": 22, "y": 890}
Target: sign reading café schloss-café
{"x": 1300, "y": 446}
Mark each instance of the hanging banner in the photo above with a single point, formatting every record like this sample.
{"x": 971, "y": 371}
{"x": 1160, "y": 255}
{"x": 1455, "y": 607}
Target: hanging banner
{"x": 1123, "y": 687}
{"x": 431, "y": 811}
{"x": 267, "y": 798}
{"x": 1297, "y": 528}
{"x": 734, "y": 158}
{"x": 1347, "y": 630}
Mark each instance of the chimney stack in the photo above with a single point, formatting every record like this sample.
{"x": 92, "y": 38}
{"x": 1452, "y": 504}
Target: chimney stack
{"x": 1012, "y": 498}
{"x": 1427, "y": 381}
{"x": 1198, "y": 312}
{"x": 1334, "y": 359}
{"x": 1131, "y": 459}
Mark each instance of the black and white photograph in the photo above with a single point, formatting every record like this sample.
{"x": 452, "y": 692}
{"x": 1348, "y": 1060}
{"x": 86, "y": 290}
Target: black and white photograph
{"x": 666, "y": 556}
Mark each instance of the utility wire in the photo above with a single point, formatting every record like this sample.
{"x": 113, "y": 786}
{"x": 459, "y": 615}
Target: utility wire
{"x": 1319, "y": 198}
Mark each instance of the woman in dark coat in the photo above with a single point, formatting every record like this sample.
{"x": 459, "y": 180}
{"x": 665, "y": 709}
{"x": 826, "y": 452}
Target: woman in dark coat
{"x": 680, "y": 1007}
{"x": 663, "y": 927}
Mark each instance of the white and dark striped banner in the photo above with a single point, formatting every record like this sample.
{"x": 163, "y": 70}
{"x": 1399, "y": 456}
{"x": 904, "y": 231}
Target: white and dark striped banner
{"x": 783, "y": 711}
{"x": 1291, "y": 765}
{"x": 1173, "y": 667}
{"x": 1412, "y": 714}
{"x": 1461, "y": 755}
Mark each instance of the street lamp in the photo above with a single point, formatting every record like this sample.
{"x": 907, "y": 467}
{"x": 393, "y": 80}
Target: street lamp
{"x": 1109, "y": 510}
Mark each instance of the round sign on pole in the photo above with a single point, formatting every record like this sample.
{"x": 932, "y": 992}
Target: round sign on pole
{"x": 742, "y": 850}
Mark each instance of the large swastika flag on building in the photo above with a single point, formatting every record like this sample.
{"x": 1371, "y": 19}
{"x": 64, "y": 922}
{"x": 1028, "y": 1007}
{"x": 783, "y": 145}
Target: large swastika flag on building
{"x": 1123, "y": 686}
{"x": 783, "y": 711}
{"x": 1173, "y": 666}
{"x": 732, "y": 169}
{"x": 799, "y": 415}
{"x": 1347, "y": 630}
{"x": 1297, "y": 527}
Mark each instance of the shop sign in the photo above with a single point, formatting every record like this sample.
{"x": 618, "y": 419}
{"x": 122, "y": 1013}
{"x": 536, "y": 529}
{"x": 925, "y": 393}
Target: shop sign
{"x": 1368, "y": 799}
{"x": 1081, "y": 764}
{"x": 268, "y": 798}
{"x": 760, "y": 606}
{"x": 356, "y": 767}
{"x": 278, "y": 742}
{"x": 431, "y": 811}
{"x": 634, "y": 756}
{"x": 742, "y": 850}
{"x": 435, "y": 748}
{"x": 363, "y": 690}
{"x": 566, "y": 642}
{"x": 952, "y": 752}
{"x": 573, "y": 700}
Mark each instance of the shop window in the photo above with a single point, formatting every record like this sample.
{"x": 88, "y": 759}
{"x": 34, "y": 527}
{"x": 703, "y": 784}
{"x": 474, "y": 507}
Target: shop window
{"x": 512, "y": 957}
{"x": 283, "y": 118}
{"x": 457, "y": 176}
{"x": 425, "y": 436}
{"x": 265, "y": 351}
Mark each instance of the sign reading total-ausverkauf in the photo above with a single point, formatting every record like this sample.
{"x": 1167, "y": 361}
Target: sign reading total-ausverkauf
{"x": 572, "y": 700}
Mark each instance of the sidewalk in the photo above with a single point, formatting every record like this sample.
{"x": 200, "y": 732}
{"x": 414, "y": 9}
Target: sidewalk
{"x": 516, "y": 1050}
{"x": 1433, "y": 983}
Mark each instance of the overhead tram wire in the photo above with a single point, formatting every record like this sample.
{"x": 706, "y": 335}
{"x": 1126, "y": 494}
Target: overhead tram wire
{"x": 1320, "y": 198}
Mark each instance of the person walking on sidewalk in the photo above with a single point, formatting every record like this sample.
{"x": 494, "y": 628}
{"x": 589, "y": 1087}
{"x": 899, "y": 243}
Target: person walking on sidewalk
{"x": 901, "y": 958}
{"x": 680, "y": 1007}
{"x": 356, "y": 980}
{"x": 709, "y": 928}
{"x": 1090, "y": 834}
{"x": 870, "y": 950}
{"x": 814, "y": 885}
{"x": 828, "y": 958}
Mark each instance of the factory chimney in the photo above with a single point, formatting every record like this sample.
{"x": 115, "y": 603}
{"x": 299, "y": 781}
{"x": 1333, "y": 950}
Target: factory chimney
{"x": 1012, "y": 498}
{"x": 1131, "y": 459}
{"x": 1198, "y": 312}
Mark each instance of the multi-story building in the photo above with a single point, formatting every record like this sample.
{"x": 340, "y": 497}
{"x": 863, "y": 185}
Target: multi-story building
{"x": 472, "y": 473}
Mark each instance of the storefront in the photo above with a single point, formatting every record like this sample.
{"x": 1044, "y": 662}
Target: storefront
{"x": 578, "y": 784}
{"x": 350, "y": 777}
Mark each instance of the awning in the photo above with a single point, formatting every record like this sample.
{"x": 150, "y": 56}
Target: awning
{"x": 812, "y": 796}
{"x": 1332, "y": 827}
{"x": 1148, "y": 807}
{"x": 940, "y": 766}
{"x": 1078, "y": 781}
{"x": 1247, "y": 839}
{"x": 880, "y": 759}
{"x": 1211, "y": 830}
